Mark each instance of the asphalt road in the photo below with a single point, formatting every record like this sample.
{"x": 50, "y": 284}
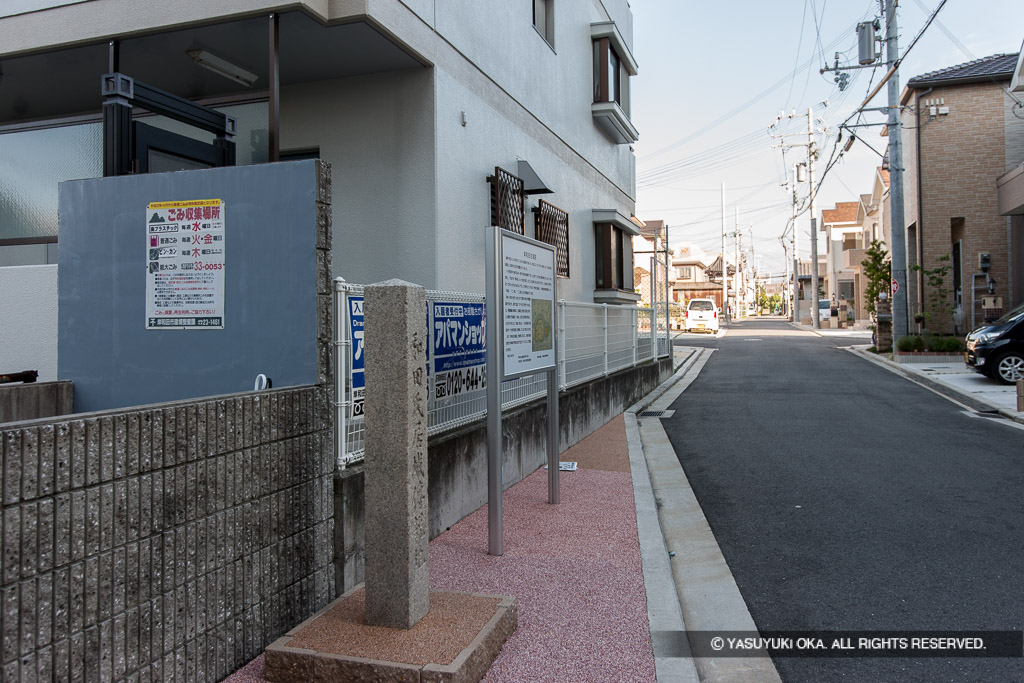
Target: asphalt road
{"x": 845, "y": 497}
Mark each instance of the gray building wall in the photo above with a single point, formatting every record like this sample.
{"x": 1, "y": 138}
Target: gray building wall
{"x": 378, "y": 134}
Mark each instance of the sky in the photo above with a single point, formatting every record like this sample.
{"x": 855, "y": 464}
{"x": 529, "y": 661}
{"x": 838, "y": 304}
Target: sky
{"x": 713, "y": 77}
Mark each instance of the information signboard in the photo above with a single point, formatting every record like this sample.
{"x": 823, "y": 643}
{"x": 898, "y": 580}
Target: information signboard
{"x": 185, "y": 265}
{"x": 528, "y": 305}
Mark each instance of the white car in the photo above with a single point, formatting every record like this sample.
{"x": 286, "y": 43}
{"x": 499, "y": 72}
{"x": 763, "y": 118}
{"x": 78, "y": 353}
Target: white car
{"x": 824, "y": 310}
{"x": 702, "y": 316}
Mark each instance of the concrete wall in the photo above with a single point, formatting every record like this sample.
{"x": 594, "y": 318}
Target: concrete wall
{"x": 28, "y": 311}
{"x": 34, "y": 400}
{"x": 457, "y": 467}
{"x": 166, "y": 542}
{"x": 378, "y": 134}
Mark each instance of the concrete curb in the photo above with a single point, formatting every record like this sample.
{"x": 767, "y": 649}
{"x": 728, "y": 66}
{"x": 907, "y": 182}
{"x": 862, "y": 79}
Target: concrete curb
{"x": 975, "y": 403}
{"x": 663, "y": 611}
{"x": 706, "y": 595}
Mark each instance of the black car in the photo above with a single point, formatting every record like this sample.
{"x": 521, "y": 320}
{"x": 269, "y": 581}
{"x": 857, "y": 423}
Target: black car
{"x": 997, "y": 349}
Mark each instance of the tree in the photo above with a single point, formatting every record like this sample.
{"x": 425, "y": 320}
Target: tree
{"x": 938, "y": 292}
{"x": 878, "y": 270}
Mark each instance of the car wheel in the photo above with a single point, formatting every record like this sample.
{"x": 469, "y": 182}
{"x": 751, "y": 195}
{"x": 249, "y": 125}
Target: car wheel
{"x": 1009, "y": 367}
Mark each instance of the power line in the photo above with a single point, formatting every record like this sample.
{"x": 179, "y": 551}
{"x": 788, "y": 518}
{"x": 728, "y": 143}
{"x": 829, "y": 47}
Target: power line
{"x": 728, "y": 115}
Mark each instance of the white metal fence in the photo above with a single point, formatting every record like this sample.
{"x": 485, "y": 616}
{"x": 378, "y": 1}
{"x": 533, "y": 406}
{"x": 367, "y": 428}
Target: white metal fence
{"x": 593, "y": 340}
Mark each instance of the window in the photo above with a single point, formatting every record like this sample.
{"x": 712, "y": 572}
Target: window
{"x": 544, "y": 20}
{"x": 609, "y": 256}
{"x": 611, "y": 78}
{"x": 846, "y": 290}
{"x": 508, "y": 202}
{"x": 552, "y": 227}
{"x": 685, "y": 272}
{"x": 613, "y": 65}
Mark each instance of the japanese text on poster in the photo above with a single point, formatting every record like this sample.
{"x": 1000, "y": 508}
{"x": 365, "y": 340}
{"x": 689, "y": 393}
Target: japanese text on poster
{"x": 185, "y": 265}
{"x": 459, "y": 354}
{"x": 355, "y": 318}
{"x": 528, "y": 301}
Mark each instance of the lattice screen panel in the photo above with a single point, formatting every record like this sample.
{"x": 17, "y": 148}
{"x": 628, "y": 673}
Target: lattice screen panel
{"x": 552, "y": 226}
{"x": 508, "y": 203}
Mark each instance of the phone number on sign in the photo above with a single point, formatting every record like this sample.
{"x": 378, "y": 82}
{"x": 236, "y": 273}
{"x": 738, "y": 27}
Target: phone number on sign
{"x": 454, "y": 382}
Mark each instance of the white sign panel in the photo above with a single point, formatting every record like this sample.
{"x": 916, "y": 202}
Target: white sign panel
{"x": 528, "y": 305}
{"x": 185, "y": 265}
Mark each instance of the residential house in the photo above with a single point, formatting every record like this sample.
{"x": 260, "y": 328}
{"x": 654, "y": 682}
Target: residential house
{"x": 963, "y": 138}
{"x": 1011, "y": 187}
{"x": 808, "y": 301}
{"x": 651, "y": 254}
{"x": 438, "y": 118}
{"x": 844, "y": 236}
{"x": 699, "y": 275}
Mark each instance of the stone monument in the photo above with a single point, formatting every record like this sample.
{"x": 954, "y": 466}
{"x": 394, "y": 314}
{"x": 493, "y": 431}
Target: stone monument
{"x": 395, "y": 337}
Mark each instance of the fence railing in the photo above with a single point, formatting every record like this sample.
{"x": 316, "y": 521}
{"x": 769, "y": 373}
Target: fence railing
{"x": 594, "y": 340}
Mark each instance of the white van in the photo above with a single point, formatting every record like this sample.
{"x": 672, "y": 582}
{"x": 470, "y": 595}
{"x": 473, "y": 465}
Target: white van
{"x": 702, "y": 316}
{"x": 824, "y": 310}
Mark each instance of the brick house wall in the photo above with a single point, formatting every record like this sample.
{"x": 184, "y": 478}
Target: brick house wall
{"x": 961, "y": 155}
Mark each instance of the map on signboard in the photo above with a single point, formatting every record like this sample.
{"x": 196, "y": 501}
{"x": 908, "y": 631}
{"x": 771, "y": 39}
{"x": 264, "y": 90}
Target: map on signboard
{"x": 542, "y": 332}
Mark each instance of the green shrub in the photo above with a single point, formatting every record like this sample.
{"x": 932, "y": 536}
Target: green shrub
{"x": 909, "y": 343}
{"x": 945, "y": 344}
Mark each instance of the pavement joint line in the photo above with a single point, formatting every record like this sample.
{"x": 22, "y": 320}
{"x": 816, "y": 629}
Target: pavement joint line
{"x": 705, "y": 593}
{"x": 939, "y": 389}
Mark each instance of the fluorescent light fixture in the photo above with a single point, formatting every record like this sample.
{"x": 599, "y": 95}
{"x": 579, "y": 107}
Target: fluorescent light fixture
{"x": 219, "y": 65}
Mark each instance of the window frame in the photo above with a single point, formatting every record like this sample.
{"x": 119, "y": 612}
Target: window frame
{"x": 608, "y": 86}
{"x": 609, "y": 257}
{"x": 547, "y": 30}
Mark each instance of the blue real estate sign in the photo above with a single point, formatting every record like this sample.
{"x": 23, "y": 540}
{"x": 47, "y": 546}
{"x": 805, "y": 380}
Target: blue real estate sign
{"x": 459, "y": 355}
{"x": 355, "y": 318}
{"x": 456, "y": 356}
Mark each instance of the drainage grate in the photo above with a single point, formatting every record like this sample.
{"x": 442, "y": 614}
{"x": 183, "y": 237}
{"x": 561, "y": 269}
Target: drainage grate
{"x": 658, "y": 413}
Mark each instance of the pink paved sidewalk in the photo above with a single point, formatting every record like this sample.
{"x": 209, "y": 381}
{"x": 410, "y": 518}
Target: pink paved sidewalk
{"x": 574, "y": 568}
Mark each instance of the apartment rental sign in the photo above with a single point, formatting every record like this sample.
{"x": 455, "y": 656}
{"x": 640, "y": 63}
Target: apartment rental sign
{"x": 185, "y": 265}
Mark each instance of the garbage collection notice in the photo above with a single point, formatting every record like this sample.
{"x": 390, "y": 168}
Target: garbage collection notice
{"x": 185, "y": 265}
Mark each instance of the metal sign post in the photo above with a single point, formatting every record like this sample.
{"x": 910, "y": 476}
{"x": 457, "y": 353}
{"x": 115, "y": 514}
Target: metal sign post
{"x": 522, "y": 327}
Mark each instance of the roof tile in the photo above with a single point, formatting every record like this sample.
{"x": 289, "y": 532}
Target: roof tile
{"x": 995, "y": 66}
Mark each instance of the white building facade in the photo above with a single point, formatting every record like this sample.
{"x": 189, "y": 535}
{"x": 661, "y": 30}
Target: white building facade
{"x": 431, "y": 113}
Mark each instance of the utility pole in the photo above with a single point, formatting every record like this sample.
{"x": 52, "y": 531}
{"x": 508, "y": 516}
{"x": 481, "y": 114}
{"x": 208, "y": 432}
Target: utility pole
{"x": 736, "y": 279}
{"x": 795, "y": 310}
{"x": 899, "y": 244}
{"x": 725, "y": 269}
{"x": 811, "y": 151}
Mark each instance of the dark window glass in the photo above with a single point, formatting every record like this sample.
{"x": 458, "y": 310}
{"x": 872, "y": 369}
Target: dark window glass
{"x": 614, "y": 91}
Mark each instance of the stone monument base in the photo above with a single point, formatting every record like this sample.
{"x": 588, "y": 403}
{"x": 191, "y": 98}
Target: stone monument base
{"x": 456, "y": 641}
